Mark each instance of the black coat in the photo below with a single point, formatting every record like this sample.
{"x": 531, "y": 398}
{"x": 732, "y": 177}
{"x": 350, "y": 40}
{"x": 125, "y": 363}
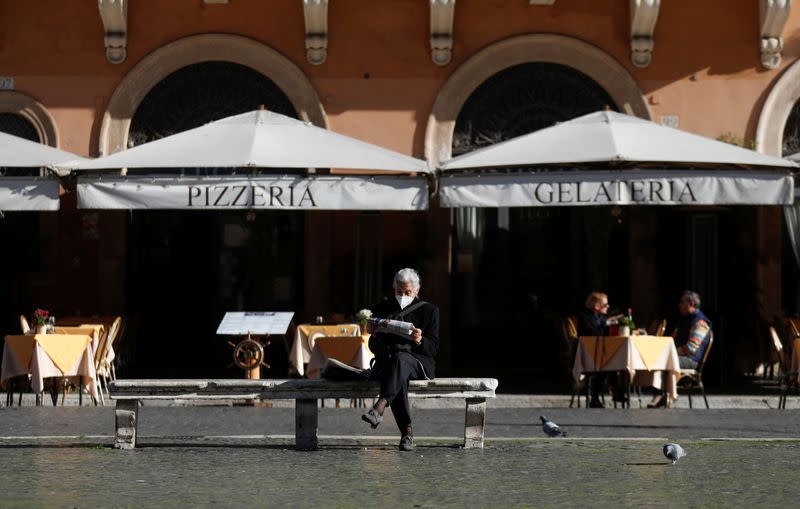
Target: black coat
{"x": 590, "y": 324}
{"x": 425, "y": 317}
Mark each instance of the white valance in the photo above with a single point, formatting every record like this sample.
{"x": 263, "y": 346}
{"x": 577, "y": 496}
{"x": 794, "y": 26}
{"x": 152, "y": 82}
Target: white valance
{"x": 625, "y": 187}
{"x": 28, "y": 193}
{"x": 278, "y": 192}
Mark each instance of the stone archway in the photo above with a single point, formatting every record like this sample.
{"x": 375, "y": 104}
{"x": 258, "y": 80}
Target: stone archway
{"x": 33, "y": 112}
{"x": 782, "y": 98}
{"x": 547, "y": 48}
{"x": 204, "y": 48}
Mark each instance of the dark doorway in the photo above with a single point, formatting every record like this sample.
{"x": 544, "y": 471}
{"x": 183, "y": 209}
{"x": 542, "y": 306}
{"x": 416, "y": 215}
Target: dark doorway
{"x": 20, "y": 231}
{"x": 518, "y": 271}
{"x": 185, "y": 269}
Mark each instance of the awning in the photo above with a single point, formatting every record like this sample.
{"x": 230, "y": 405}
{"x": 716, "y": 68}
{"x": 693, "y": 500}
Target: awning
{"x": 526, "y": 188}
{"x": 267, "y": 192}
{"x": 28, "y": 193}
{"x": 613, "y": 138}
{"x": 258, "y": 139}
{"x": 16, "y": 152}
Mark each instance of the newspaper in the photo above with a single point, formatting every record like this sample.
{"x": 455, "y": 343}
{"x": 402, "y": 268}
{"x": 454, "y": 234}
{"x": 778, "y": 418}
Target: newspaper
{"x": 404, "y": 329}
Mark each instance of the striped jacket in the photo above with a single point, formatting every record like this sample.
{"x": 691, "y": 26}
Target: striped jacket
{"x": 692, "y": 335}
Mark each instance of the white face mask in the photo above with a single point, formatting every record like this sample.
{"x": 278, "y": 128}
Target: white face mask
{"x": 403, "y": 300}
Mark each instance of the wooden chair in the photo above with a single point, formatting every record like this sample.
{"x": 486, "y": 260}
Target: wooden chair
{"x": 571, "y": 334}
{"x": 657, "y": 327}
{"x": 102, "y": 365}
{"x": 111, "y": 346}
{"x": 689, "y": 378}
{"x": 787, "y": 378}
{"x": 23, "y": 323}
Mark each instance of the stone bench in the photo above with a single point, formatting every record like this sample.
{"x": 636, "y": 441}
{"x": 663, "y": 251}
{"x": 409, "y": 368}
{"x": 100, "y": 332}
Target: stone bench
{"x": 129, "y": 393}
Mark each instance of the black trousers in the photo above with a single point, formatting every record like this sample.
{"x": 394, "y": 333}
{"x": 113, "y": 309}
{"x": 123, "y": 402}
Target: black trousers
{"x": 398, "y": 369}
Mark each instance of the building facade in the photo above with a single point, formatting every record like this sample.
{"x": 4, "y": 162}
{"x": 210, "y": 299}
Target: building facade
{"x": 429, "y": 79}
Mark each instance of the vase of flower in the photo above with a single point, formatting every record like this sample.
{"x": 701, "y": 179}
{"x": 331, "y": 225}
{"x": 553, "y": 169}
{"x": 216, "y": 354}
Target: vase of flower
{"x": 362, "y": 316}
{"x": 40, "y": 317}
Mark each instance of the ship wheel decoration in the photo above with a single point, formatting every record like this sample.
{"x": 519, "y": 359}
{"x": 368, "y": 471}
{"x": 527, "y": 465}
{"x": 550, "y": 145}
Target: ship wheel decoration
{"x": 248, "y": 354}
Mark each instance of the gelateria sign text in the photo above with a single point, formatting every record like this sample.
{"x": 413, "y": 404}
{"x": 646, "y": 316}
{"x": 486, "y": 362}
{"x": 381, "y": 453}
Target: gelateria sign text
{"x": 261, "y": 192}
{"x": 586, "y": 188}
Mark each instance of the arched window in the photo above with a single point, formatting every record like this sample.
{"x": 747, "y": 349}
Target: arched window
{"x": 201, "y": 93}
{"x": 17, "y": 125}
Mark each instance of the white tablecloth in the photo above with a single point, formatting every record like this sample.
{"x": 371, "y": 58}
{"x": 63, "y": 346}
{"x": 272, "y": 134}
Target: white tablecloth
{"x": 353, "y": 351}
{"x": 42, "y": 366}
{"x": 300, "y": 353}
{"x": 645, "y": 357}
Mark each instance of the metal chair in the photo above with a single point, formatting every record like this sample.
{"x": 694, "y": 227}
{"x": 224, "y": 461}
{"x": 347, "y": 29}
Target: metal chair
{"x": 689, "y": 378}
{"x": 787, "y": 378}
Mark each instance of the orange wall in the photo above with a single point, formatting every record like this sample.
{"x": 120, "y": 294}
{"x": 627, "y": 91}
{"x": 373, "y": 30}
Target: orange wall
{"x": 379, "y": 83}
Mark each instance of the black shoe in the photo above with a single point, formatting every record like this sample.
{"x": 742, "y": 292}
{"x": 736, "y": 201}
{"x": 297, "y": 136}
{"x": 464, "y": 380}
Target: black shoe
{"x": 372, "y": 417}
{"x": 661, "y": 402}
{"x": 596, "y": 403}
{"x": 407, "y": 443}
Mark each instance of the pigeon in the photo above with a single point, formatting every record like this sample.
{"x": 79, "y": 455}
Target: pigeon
{"x": 674, "y": 452}
{"x": 550, "y": 428}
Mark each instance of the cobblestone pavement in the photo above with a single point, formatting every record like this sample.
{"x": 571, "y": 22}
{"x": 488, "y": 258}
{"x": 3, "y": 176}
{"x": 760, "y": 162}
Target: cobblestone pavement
{"x": 234, "y": 456}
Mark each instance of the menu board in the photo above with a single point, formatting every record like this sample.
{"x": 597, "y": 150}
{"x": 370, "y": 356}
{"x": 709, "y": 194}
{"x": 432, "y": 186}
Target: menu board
{"x": 241, "y": 323}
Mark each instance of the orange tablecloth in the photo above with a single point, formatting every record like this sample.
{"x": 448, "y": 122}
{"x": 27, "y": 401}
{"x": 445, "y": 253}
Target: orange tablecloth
{"x": 352, "y": 350}
{"x": 640, "y": 356}
{"x": 49, "y": 355}
{"x": 300, "y": 353}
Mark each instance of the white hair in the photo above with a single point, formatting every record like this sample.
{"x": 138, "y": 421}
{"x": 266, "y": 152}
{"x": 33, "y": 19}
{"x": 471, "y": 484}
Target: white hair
{"x": 406, "y": 276}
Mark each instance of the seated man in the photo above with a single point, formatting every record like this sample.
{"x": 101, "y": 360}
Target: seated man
{"x": 693, "y": 331}
{"x": 400, "y": 359}
{"x": 692, "y": 334}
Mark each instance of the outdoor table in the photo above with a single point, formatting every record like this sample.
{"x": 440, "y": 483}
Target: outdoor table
{"x": 101, "y": 322}
{"x": 642, "y": 357}
{"x": 300, "y": 353}
{"x": 50, "y": 355}
{"x": 95, "y": 331}
{"x": 352, "y": 350}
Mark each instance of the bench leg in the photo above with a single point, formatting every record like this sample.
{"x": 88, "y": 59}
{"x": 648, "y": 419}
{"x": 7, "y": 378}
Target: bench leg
{"x": 127, "y": 417}
{"x": 305, "y": 421}
{"x": 474, "y": 423}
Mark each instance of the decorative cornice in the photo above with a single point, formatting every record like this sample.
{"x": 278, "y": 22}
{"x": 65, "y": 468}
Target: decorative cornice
{"x": 644, "y": 14}
{"x": 114, "y": 14}
{"x": 442, "y": 12}
{"x": 316, "y": 15}
{"x": 772, "y": 18}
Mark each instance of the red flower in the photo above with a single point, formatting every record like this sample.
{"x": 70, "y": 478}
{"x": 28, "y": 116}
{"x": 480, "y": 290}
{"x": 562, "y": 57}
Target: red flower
{"x": 40, "y": 316}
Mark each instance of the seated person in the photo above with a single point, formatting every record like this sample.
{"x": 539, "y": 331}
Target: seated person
{"x": 693, "y": 331}
{"x": 400, "y": 359}
{"x": 592, "y": 321}
{"x": 691, "y": 335}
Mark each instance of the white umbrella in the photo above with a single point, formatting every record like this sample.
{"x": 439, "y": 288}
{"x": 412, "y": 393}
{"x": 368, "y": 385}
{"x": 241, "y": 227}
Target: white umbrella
{"x": 258, "y": 139}
{"x": 31, "y": 193}
{"x": 608, "y": 136}
{"x": 611, "y": 158}
{"x": 261, "y": 139}
{"x": 16, "y": 152}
